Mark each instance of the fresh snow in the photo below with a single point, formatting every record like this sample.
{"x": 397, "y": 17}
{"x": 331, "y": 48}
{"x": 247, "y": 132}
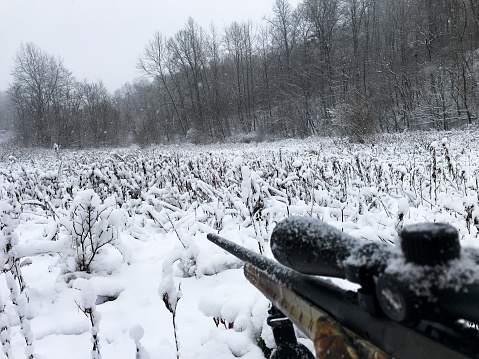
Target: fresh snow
{"x": 158, "y": 204}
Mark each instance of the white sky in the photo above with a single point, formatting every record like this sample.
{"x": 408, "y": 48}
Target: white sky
{"x": 103, "y": 39}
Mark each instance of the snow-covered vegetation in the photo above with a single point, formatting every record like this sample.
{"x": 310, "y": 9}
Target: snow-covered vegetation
{"x": 104, "y": 252}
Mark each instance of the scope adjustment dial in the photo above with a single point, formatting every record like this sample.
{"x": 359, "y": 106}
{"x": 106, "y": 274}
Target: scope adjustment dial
{"x": 430, "y": 243}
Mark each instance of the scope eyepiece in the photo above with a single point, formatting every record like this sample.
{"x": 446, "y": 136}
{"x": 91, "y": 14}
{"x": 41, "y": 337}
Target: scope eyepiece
{"x": 311, "y": 246}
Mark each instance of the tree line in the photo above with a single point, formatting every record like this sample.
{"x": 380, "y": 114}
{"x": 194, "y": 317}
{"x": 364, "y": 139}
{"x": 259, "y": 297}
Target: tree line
{"x": 325, "y": 67}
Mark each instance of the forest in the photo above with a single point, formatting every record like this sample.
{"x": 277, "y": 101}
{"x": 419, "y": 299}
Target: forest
{"x": 349, "y": 68}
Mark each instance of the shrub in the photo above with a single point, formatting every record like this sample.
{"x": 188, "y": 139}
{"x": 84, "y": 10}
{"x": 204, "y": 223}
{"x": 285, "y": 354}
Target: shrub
{"x": 355, "y": 119}
{"x": 92, "y": 227}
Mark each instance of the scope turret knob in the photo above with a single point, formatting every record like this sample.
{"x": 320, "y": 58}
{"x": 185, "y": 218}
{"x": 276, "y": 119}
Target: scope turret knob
{"x": 430, "y": 243}
{"x": 397, "y": 300}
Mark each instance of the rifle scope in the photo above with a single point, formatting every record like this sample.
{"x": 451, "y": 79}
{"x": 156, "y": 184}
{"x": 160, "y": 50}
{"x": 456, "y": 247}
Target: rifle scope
{"x": 429, "y": 277}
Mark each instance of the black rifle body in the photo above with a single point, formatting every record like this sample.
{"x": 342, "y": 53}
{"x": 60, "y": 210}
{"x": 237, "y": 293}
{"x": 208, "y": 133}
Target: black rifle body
{"x": 307, "y": 299}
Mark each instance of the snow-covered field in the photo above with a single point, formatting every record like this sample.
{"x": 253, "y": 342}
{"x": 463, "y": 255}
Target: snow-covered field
{"x": 104, "y": 252}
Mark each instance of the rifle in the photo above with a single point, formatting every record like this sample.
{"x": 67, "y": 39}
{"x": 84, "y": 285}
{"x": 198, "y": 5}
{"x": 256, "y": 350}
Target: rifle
{"x": 421, "y": 302}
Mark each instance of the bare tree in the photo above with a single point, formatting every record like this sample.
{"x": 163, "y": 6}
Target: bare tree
{"x": 187, "y": 56}
{"x": 40, "y": 82}
{"x": 6, "y": 120}
{"x": 153, "y": 64}
{"x": 239, "y": 48}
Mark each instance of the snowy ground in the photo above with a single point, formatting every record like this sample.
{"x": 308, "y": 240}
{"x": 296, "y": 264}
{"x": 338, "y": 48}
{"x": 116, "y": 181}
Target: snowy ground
{"x": 155, "y": 207}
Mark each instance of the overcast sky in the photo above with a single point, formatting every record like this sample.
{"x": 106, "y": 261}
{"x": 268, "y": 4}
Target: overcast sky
{"x": 102, "y": 39}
